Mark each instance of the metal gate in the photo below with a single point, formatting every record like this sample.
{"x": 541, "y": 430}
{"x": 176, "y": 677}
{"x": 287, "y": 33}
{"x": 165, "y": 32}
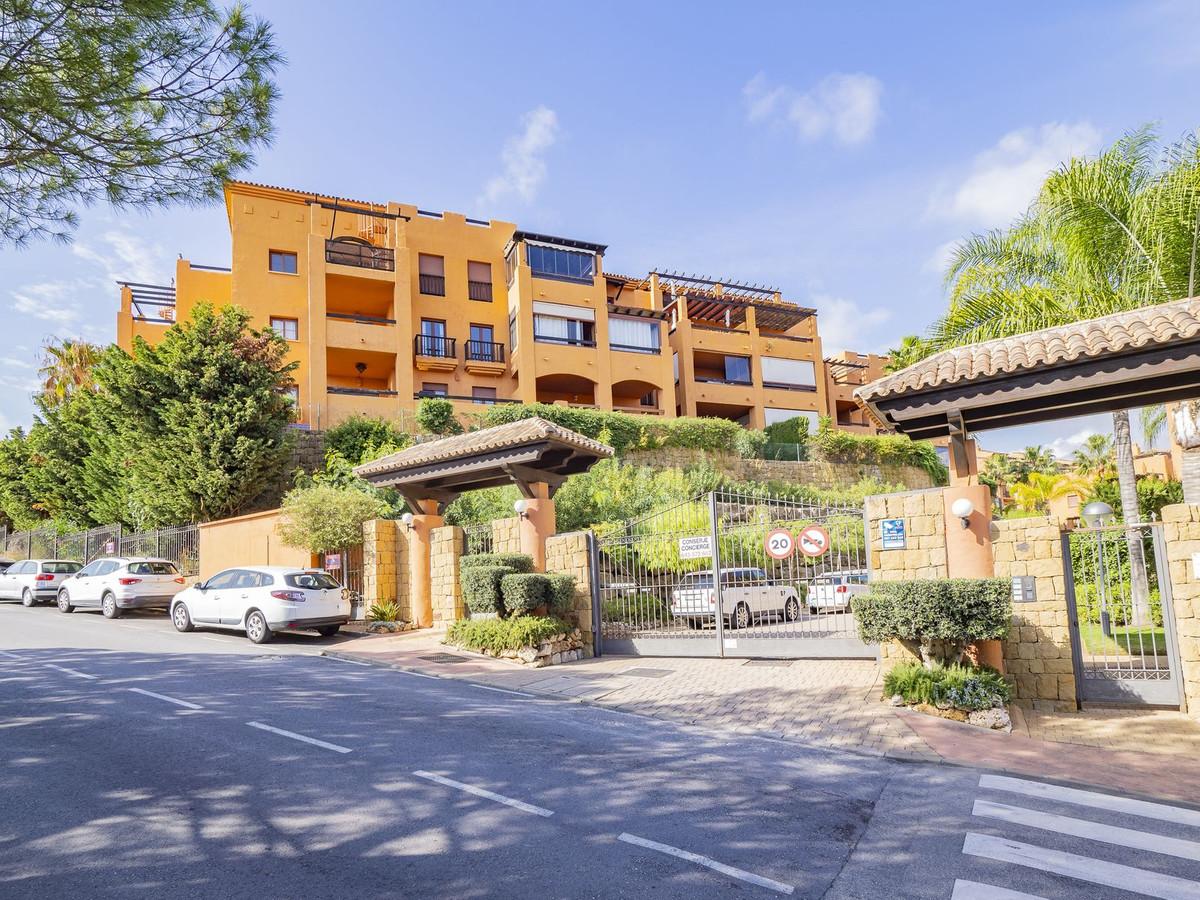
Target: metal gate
{"x": 660, "y": 580}
{"x": 1119, "y": 608}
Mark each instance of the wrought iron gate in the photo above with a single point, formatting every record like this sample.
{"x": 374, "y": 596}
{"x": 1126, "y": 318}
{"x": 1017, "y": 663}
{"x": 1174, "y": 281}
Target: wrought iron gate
{"x": 662, "y": 579}
{"x": 1119, "y": 607}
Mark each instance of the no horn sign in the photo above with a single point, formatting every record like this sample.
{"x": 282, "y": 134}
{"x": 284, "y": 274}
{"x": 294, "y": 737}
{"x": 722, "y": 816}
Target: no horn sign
{"x": 814, "y": 540}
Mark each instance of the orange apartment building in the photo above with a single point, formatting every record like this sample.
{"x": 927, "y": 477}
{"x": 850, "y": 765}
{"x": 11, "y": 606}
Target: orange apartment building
{"x": 385, "y": 303}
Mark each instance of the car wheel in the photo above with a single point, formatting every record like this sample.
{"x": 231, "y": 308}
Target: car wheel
{"x": 27, "y": 598}
{"x": 812, "y": 610}
{"x": 695, "y": 624}
{"x": 108, "y": 606}
{"x": 329, "y": 630}
{"x": 741, "y": 616}
{"x": 791, "y": 610}
{"x": 257, "y": 628}
{"x": 181, "y": 618}
{"x": 64, "y": 602}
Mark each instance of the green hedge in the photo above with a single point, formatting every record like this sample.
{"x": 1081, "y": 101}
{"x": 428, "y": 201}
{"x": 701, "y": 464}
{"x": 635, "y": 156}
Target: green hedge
{"x": 937, "y": 617}
{"x": 523, "y": 593}
{"x": 561, "y": 592}
{"x": 497, "y": 635}
{"x": 831, "y": 445}
{"x": 481, "y": 587}
{"x": 518, "y": 562}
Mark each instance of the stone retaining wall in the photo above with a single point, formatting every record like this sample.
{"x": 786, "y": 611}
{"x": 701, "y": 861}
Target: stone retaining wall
{"x": 1181, "y": 531}
{"x": 445, "y": 549}
{"x": 506, "y": 535}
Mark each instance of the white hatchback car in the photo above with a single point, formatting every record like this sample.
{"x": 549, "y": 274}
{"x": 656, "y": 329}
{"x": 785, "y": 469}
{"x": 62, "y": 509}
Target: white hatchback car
{"x": 261, "y": 600}
{"x": 33, "y": 580}
{"x": 116, "y": 584}
{"x": 835, "y": 590}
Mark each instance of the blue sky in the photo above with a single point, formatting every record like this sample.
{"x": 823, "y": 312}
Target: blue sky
{"x": 835, "y": 151}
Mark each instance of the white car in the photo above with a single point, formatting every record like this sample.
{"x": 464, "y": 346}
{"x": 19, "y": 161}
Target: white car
{"x": 35, "y": 580}
{"x": 835, "y": 590}
{"x": 746, "y": 594}
{"x": 261, "y": 600}
{"x": 116, "y": 584}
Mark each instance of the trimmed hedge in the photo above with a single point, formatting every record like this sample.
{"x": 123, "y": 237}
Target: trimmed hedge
{"x": 498, "y": 635}
{"x": 561, "y": 592}
{"x": 937, "y": 618}
{"x": 832, "y": 445}
{"x": 522, "y": 593}
{"x": 481, "y": 587}
{"x": 518, "y": 562}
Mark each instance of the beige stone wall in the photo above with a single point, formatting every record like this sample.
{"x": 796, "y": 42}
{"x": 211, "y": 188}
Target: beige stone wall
{"x": 925, "y": 529}
{"x": 816, "y": 474}
{"x": 1181, "y": 531}
{"x": 1037, "y": 654}
{"x": 379, "y": 561}
{"x": 568, "y": 554}
{"x": 446, "y": 545}
{"x": 506, "y": 535}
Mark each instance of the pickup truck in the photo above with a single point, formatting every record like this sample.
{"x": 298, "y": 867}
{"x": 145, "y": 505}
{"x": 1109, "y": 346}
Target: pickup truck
{"x": 746, "y": 594}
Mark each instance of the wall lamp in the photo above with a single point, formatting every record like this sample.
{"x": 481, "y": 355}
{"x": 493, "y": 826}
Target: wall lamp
{"x": 407, "y": 519}
{"x": 962, "y": 507}
{"x": 521, "y": 508}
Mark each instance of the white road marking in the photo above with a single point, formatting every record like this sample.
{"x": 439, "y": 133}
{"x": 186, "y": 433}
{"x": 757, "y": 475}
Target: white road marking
{"x": 974, "y": 890}
{"x": 740, "y": 874}
{"x": 488, "y": 687}
{"x": 487, "y": 795}
{"x": 299, "y": 737}
{"x": 74, "y": 672}
{"x": 1143, "y": 808}
{"x": 1092, "y": 831}
{"x": 1083, "y": 868}
{"x": 177, "y": 702}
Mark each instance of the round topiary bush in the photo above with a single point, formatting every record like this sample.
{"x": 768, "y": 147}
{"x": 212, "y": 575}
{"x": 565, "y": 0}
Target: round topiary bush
{"x": 481, "y": 588}
{"x": 525, "y": 592}
{"x": 518, "y": 562}
{"x": 562, "y": 592}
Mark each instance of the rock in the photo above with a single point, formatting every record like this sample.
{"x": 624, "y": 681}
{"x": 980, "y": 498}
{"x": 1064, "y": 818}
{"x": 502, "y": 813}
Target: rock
{"x": 539, "y": 662}
{"x": 545, "y": 648}
{"x": 896, "y": 700}
{"x": 556, "y": 659}
{"x": 996, "y": 718}
{"x": 527, "y": 654}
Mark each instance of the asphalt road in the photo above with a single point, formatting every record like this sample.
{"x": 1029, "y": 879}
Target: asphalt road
{"x": 137, "y": 762}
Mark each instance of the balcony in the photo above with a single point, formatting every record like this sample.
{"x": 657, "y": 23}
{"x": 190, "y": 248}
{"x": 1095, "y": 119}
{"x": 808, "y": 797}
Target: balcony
{"x": 433, "y": 353}
{"x": 359, "y": 254}
{"x": 484, "y": 357}
{"x": 432, "y": 285}
{"x": 718, "y": 379}
{"x": 355, "y": 331}
{"x": 361, "y": 391}
{"x": 563, "y": 341}
{"x": 479, "y": 290}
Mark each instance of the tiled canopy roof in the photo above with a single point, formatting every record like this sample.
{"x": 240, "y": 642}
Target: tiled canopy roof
{"x": 1162, "y": 324}
{"x": 488, "y": 440}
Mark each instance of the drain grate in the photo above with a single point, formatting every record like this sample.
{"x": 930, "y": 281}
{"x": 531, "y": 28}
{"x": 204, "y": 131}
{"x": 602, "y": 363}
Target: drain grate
{"x": 648, "y": 673}
{"x": 445, "y": 658}
{"x": 777, "y": 663}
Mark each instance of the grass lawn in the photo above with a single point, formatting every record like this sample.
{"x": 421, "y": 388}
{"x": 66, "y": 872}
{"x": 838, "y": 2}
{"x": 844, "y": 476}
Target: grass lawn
{"x": 1126, "y": 639}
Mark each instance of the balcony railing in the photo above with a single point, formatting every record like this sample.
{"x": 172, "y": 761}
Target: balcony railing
{"x": 567, "y": 341}
{"x": 421, "y": 395}
{"x": 434, "y": 285}
{"x": 433, "y": 345}
{"x": 715, "y": 379}
{"x": 480, "y": 290}
{"x": 359, "y": 317}
{"x": 362, "y": 392}
{"x": 484, "y": 351}
{"x": 720, "y": 329}
{"x": 634, "y": 348}
{"x": 786, "y": 386}
{"x": 363, "y": 256}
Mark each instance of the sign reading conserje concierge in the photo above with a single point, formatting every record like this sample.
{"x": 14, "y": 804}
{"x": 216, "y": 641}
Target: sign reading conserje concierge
{"x": 892, "y": 532}
{"x": 695, "y": 547}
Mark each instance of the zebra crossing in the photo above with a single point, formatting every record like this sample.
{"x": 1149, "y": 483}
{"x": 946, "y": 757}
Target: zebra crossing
{"x": 1058, "y": 842}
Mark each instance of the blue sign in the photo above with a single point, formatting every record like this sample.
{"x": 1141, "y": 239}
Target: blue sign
{"x": 892, "y": 532}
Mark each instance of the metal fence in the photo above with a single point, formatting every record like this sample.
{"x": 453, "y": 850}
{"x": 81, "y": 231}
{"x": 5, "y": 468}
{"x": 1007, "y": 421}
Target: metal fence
{"x": 347, "y": 567}
{"x": 178, "y": 543}
{"x": 478, "y": 538}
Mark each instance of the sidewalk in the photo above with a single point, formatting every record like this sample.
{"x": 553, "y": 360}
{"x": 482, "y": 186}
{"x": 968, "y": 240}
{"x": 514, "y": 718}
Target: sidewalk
{"x": 834, "y": 703}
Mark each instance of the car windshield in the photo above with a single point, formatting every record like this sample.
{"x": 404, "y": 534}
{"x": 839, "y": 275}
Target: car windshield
{"x": 61, "y": 568}
{"x": 313, "y": 581}
{"x": 153, "y": 568}
{"x": 696, "y": 580}
{"x": 826, "y": 579}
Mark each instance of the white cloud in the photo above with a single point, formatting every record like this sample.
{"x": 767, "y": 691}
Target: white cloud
{"x": 939, "y": 259}
{"x": 1065, "y": 447}
{"x": 50, "y": 301}
{"x": 523, "y": 158}
{"x": 1005, "y": 178}
{"x": 845, "y": 107}
{"x": 125, "y": 257}
{"x": 11, "y": 363}
{"x": 843, "y": 324}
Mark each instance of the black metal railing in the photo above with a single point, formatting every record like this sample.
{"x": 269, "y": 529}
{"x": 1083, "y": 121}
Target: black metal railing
{"x": 434, "y": 345}
{"x": 359, "y": 317}
{"x": 421, "y": 395}
{"x": 362, "y": 391}
{"x": 484, "y": 351}
{"x": 714, "y": 379}
{"x": 788, "y": 386}
{"x": 479, "y": 290}
{"x": 568, "y": 341}
{"x": 433, "y": 284}
{"x": 362, "y": 256}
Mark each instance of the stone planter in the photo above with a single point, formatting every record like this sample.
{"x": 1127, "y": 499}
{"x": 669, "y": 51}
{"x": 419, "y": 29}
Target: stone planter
{"x": 560, "y": 648}
{"x": 388, "y": 627}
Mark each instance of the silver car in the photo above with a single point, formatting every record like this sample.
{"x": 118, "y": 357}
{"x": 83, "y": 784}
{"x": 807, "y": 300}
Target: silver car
{"x": 34, "y": 581}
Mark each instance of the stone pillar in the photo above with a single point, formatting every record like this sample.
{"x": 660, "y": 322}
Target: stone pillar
{"x": 379, "y": 561}
{"x": 537, "y": 524}
{"x": 420, "y": 548}
{"x": 1181, "y": 532}
{"x": 446, "y": 545}
{"x": 568, "y": 554}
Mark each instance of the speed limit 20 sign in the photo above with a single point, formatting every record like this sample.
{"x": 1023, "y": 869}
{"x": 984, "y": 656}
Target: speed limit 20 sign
{"x": 779, "y": 543}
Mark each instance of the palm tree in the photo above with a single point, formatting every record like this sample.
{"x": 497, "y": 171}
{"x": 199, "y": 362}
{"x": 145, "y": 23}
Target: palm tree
{"x": 66, "y": 368}
{"x": 1111, "y": 233}
{"x": 911, "y": 349}
{"x": 1095, "y": 458}
{"x": 1036, "y": 459}
{"x": 1036, "y": 493}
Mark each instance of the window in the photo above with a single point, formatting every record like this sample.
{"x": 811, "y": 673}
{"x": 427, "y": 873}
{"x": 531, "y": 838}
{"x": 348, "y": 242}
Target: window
{"x": 675, "y": 366}
{"x": 558, "y": 323}
{"x": 283, "y": 261}
{"x": 512, "y": 334}
{"x": 788, "y": 372}
{"x": 107, "y": 567}
{"x": 222, "y": 580}
{"x": 432, "y": 274}
{"x": 479, "y": 281}
{"x": 510, "y": 264}
{"x": 650, "y": 399}
{"x": 432, "y": 389}
{"x": 737, "y": 369}
{"x": 21, "y": 568}
{"x": 91, "y": 568}
{"x": 60, "y": 568}
{"x": 482, "y": 345}
{"x": 485, "y": 395}
{"x": 153, "y": 568}
{"x": 312, "y": 581}
{"x": 555, "y": 263}
{"x": 432, "y": 340}
{"x": 638, "y": 335}
{"x": 289, "y": 329}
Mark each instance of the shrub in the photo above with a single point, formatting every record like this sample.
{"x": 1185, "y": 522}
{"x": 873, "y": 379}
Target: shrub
{"x": 322, "y": 517}
{"x": 384, "y": 611}
{"x": 935, "y": 619}
{"x": 358, "y": 435}
{"x": 435, "y": 415}
{"x": 497, "y": 635}
{"x": 518, "y": 562}
{"x": 889, "y": 449}
{"x": 561, "y": 592}
{"x": 481, "y": 588}
{"x": 963, "y": 687}
{"x": 524, "y": 592}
